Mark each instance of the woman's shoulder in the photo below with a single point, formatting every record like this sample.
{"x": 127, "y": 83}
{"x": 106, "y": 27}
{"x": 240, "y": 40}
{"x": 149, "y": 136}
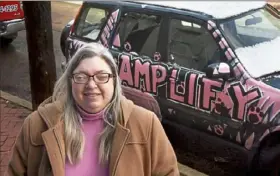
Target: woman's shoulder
{"x": 39, "y": 121}
{"x": 32, "y": 128}
{"x": 48, "y": 114}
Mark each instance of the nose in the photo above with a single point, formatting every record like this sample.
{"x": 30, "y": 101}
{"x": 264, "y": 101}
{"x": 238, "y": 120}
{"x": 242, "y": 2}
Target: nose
{"x": 91, "y": 83}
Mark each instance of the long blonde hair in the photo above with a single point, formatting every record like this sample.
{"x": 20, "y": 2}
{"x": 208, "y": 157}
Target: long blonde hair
{"x": 74, "y": 137}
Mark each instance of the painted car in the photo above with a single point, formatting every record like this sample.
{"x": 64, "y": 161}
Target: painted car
{"x": 11, "y": 21}
{"x": 215, "y": 73}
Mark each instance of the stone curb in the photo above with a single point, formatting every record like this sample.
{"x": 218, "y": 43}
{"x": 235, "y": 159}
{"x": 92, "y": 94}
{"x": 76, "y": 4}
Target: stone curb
{"x": 184, "y": 170}
{"x": 16, "y": 100}
{"x": 187, "y": 171}
{"x": 75, "y": 2}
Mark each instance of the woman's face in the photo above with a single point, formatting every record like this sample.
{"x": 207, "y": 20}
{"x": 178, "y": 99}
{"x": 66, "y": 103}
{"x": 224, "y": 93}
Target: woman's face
{"x": 92, "y": 96}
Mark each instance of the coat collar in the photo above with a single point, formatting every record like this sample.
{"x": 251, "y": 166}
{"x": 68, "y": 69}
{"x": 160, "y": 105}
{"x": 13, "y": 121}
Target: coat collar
{"x": 127, "y": 107}
{"x": 120, "y": 138}
{"x": 54, "y": 143}
{"x": 53, "y": 138}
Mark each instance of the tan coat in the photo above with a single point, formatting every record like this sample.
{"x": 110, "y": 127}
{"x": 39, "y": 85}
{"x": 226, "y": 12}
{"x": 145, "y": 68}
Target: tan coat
{"x": 140, "y": 146}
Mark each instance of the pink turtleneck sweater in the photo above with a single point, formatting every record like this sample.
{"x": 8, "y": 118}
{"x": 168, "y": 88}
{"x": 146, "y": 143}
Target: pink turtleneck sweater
{"x": 93, "y": 125}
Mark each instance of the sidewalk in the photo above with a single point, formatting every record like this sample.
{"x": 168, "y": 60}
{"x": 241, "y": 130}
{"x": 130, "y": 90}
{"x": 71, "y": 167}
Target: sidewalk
{"x": 12, "y": 117}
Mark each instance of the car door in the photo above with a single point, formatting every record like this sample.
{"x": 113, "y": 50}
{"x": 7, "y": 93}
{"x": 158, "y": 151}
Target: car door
{"x": 194, "y": 100}
{"x": 135, "y": 48}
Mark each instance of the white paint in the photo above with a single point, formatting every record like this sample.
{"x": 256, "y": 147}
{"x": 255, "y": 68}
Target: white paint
{"x": 218, "y": 9}
{"x": 93, "y": 34}
{"x": 75, "y": 2}
{"x": 215, "y": 71}
{"x": 143, "y": 6}
{"x": 262, "y": 58}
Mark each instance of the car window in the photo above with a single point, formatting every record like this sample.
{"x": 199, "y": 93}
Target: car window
{"x": 191, "y": 45}
{"x": 137, "y": 33}
{"x": 91, "y": 22}
{"x": 251, "y": 29}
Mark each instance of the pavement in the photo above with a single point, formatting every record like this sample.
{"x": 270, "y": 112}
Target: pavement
{"x": 14, "y": 62}
{"x": 12, "y": 117}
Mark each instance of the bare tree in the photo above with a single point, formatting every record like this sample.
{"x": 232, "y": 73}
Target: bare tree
{"x": 39, "y": 37}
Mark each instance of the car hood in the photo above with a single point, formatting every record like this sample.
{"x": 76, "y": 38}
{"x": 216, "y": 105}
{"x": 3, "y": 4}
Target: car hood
{"x": 260, "y": 59}
{"x": 273, "y": 80}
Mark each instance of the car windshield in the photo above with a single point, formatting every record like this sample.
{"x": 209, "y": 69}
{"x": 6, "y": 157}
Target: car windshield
{"x": 255, "y": 37}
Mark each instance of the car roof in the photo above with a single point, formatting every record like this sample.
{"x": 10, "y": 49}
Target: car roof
{"x": 203, "y": 9}
{"x": 216, "y": 9}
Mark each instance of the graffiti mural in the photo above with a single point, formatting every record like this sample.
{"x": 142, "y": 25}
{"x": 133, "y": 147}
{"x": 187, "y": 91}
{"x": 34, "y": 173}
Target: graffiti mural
{"x": 187, "y": 87}
{"x": 234, "y": 100}
{"x": 262, "y": 101}
{"x": 106, "y": 33}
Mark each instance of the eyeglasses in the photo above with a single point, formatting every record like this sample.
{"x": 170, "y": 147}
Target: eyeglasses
{"x": 100, "y": 78}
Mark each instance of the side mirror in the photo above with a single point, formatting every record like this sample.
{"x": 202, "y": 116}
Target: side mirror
{"x": 218, "y": 70}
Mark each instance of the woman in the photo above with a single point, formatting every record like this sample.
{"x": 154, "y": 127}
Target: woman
{"x": 90, "y": 129}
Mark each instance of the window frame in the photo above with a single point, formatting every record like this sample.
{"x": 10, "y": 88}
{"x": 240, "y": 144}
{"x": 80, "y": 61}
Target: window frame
{"x": 127, "y": 9}
{"x": 104, "y": 7}
{"x": 189, "y": 19}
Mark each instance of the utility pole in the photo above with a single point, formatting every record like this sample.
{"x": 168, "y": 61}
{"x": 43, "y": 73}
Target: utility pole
{"x": 42, "y": 68}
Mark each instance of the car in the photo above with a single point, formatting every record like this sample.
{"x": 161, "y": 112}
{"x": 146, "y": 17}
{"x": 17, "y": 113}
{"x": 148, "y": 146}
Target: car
{"x": 11, "y": 21}
{"x": 213, "y": 68}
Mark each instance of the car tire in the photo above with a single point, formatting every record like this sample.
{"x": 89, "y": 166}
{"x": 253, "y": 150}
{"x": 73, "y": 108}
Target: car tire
{"x": 63, "y": 37}
{"x": 62, "y": 42}
{"x": 4, "y": 42}
{"x": 267, "y": 162}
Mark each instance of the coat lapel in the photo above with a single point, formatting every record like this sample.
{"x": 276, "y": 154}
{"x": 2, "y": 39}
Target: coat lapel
{"x": 121, "y": 136}
{"x": 53, "y": 140}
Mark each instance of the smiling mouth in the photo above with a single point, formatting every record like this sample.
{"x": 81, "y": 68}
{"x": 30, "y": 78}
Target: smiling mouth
{"x": 91, "y": 94}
